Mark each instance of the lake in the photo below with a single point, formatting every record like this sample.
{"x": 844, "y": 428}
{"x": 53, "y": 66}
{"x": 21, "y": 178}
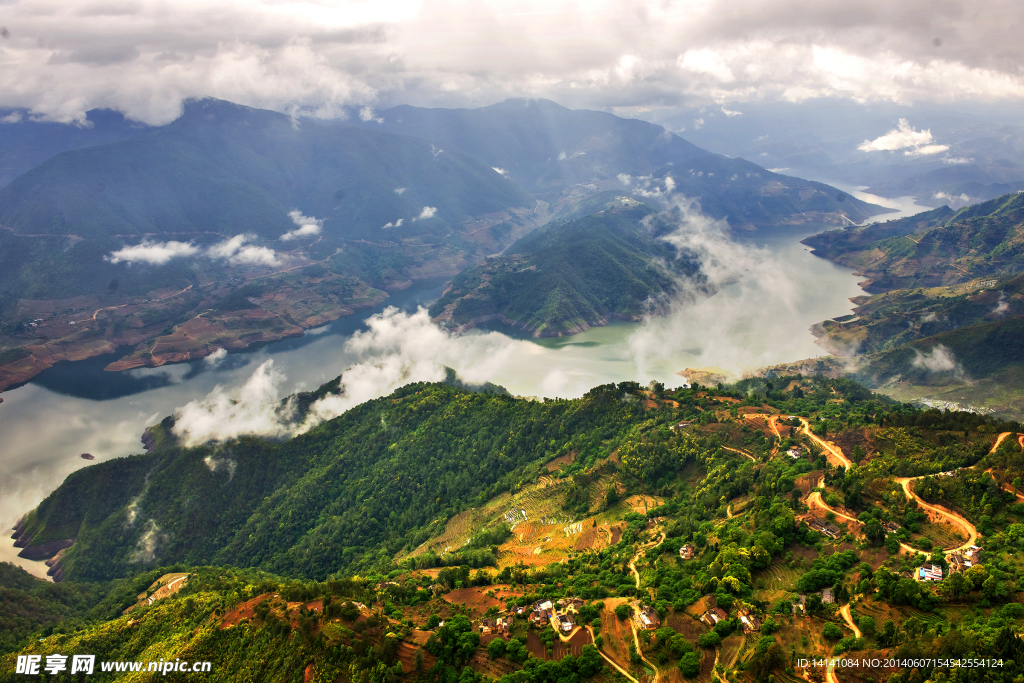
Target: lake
{"x": 759, "y": 316}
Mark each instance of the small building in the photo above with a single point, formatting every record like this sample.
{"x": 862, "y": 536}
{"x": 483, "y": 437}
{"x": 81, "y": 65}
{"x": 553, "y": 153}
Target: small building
{"x": 890, "y": 527}
{"x": 487, "y": 626}
{"x": 646, "y": 618}
{"x": 929, "y": 572}
{"x": 962, "y": 561}
{"x": 503, "y": 625}
{"x": 681, "y": 425}
{"x": 823, "y": 527}
{"x": 750, "y": 623}
{"x": 800, "y": 603}
{"x": 713, "y": 616}
{"x": 827, "y": 597}
{"x": 686, "y": 552}
{"x": 796, "y": 453}
{"x": 566, "y": 622}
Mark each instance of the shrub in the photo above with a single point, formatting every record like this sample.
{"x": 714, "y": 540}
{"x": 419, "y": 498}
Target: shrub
{"x": 831, "y": 632}
{"x": 711, "y": 639}
{"x": 689, "y": 664}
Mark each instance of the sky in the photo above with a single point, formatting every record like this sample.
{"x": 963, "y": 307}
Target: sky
{"x": 59, "y": 59}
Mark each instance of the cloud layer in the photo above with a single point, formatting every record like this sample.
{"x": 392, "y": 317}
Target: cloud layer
{"x": 235, "y": 250}
{"x": 396, "y": 349}
{"x": 143, "y": 57}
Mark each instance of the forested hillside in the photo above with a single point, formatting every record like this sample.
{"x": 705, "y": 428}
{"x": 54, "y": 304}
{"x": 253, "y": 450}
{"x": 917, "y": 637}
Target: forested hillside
{"x": 944, "y": 321}
{"x": 753, "y": 526}
{"x": 932, "y": 249}
{"x": 572, "y": 275}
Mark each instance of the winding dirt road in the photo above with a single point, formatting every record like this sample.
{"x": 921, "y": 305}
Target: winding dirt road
{"x": 636, "y": 576}
{"x": 829, "y": 447}
{"x": 614, "y": 664}
{"x": 743, "y": 453}
{"x": 848, "y": 618}
{"x": 999, "y": 441}
{"x": 972, "y": 532}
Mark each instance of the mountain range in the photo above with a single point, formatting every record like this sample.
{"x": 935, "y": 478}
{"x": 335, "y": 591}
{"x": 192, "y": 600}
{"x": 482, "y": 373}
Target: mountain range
{"x": 232, "y": 225}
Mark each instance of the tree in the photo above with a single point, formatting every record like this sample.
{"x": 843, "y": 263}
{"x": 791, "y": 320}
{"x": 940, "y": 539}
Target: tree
{"x": 689, "y": 664}
{"x": 622, "y": 611}
{"x": 874, "y": 532}
{"x": 496, "y": 648}
{"x": 831, "y": 632}
{"x": 709, "y": 640}
{"x": 867, "y": 626}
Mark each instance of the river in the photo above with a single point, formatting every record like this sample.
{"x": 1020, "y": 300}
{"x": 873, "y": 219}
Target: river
{"x": 752, "y": 321}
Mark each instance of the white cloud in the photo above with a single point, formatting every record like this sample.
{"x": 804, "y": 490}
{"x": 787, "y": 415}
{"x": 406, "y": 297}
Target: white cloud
{"x": 625, "y": 179}
{"x": 958, "y": 160}
{"x": 905, "y": 137}
{"x": 254, "y": 408}
{"x": 1002, "y": 306}
{"x": 307, "y": 226}
{"x": 153, "y": 253}
{"x": 706, "y": 62}
{"x": 738, "y": 314}
{"x": 698, "y": 124}
{"x": 215, "y": 358}
{"x": 939, "y": 360}
{"x": 237, "y": 252}
{"x": 396, "y": 349}
{"x": 366, "y": 114}
{"x": 399, "y": 190}
{"x": 427, "y": 212}
{"x": 145, "y": 547}
{"x": 961, "y": 200}
{"x": 499, "y": 171}
{"x": 731, "y": 112}
{"x": 396, "y": 224}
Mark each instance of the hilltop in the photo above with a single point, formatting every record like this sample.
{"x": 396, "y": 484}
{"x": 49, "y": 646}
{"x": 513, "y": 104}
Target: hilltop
{"x": 571, "y": 275}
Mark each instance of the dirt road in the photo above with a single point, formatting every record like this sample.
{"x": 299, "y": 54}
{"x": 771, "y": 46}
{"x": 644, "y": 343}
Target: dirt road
{"x": 972, "y": 532}
{"x": 848, "y": 618}
{"x": 612, "y": 662}
{"x": 1000, "y": 439}
{"x": 632, "y": 562}
{"x": 743, "y": 453}
{"x": 830, "y": 448}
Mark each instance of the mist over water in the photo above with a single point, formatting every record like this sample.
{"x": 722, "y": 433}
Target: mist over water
{"x": 770, "y": 290}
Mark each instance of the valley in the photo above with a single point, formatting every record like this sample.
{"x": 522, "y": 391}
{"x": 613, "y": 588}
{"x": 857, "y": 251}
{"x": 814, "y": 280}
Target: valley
{"x": 463, "y": 503}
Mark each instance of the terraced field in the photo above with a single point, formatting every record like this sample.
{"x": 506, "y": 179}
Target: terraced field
{"x": 779, "y": 577}
{"x": 943, "y": 534}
